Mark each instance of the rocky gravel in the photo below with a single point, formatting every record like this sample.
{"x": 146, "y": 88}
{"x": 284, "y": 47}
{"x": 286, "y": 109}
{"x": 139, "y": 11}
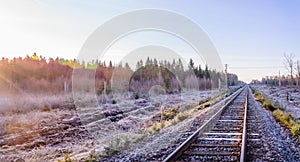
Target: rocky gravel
{"x": 278, "y": 144}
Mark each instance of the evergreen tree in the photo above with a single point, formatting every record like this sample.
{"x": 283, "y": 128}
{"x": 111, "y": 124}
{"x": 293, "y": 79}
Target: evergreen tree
{"x": 206, "y": 72}
{"x": 180, "y": 65}
{"x": 110, "y": 65}
{"x": 148, "y": 61}
{"x": 138, "y": 65}
{"x": 191, "y": 64}
{"x": 155, "y": 62}
{"x": 141, "y": 63}
{"x": 127, "y": 66}
{"x": 200, "y": 72}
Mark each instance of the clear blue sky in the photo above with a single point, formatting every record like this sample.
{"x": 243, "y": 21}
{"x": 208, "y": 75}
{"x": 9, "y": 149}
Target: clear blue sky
{"x": 245, "y": 33}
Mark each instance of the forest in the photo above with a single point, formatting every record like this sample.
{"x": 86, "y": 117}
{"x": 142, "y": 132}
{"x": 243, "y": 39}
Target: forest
{"x": 38, "y": 74}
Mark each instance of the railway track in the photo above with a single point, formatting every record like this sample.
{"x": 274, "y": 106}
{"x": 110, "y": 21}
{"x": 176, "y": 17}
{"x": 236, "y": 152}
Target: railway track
{"x": 222, "y": 137}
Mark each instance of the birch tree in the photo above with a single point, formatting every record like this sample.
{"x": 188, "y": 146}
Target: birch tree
{"x": 289, "y": 64}
{"x": 297, "y": 69}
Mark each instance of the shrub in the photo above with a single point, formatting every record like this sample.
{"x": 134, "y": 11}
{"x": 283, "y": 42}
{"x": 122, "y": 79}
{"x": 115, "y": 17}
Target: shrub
{"x": 155, "y": 127}
{"x": 283, "y": 117}
{"x": 269, "y": 105}
{"x": 296, "y": 130}
{"x": 169, "y": 114}
{"x": 258, "y": 96}
{"x": 181, "y": 116}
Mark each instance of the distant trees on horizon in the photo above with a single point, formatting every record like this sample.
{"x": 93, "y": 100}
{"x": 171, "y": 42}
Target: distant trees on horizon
{"x": 36, "y": 74}
{"x": 291, "y": 79}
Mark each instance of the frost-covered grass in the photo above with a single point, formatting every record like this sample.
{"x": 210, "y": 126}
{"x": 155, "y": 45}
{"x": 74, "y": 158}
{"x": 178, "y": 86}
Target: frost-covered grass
{"x": 28, "y": 111}
{"x": 20, "y": 113}
{"x": 24, "y": 103}
{"x": 20, "y": 123}
{"x": 138, "y": 119}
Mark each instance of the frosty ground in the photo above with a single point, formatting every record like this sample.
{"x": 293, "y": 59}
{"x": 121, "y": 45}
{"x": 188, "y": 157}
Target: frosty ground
{"x": 278, "y": 95}
{"x": 42, "y": 127}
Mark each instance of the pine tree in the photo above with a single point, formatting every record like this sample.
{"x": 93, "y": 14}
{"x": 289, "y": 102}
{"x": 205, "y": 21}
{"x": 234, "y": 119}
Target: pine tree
{"x": 110, "y": 64}
{"x": 148, "y": 61}
{"x": 138, "y": 65}
{"x": 155, "y": 62}
{"x": 191, "y": 64}
{"x": 206, "y": 73}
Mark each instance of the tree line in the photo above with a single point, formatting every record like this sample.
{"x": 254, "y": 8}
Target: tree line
{"x": 292, "y": 78}
{"x": 38, "y": 74}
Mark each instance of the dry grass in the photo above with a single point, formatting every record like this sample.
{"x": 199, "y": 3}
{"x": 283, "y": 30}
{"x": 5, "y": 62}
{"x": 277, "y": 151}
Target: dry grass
{"x": 19, "y": 104}
{"x": 176, "y": 114}
{"x": 287, "y": 119}
{"x": 267, "y": 103}
{"x": 280, "y": 114}
{"x": 24, "y": 126}
{"x": 19, "y": 123}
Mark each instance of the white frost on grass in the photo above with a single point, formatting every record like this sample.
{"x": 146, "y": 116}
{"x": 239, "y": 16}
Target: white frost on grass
{"x": 23, "y": 103}
{"x": 279, "y": 94}
{"x": 136, "y": 113}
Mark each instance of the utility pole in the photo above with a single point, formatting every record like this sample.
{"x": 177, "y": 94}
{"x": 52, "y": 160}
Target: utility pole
{"x": 279, "y": 80}
{"x": 226, "y": 78}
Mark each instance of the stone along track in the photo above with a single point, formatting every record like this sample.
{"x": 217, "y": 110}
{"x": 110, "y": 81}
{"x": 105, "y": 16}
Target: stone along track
{"x": 221, "y": 138}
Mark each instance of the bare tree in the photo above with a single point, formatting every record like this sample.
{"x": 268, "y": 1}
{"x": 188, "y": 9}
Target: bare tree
{"x": 289, "y": 64}
{"x": 297, "y": 68}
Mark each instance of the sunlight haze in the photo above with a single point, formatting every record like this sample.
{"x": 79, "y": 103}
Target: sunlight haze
{"x": 250, "y": 36}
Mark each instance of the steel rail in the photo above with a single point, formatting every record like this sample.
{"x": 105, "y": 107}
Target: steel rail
{"x": 243, "y": 148}
{"x": 205, "y": 127}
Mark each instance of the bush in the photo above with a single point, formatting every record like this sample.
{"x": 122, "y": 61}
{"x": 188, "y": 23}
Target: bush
{"x": 155, "y": 127}
{"x": 258, "y": 97}
{"x": 269, "y": 105}
{"x": 284, "y": 117}
{"x": 181, "y": 116}
{"x": 169, "y": 114}
{"x": 296, "y": 130}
